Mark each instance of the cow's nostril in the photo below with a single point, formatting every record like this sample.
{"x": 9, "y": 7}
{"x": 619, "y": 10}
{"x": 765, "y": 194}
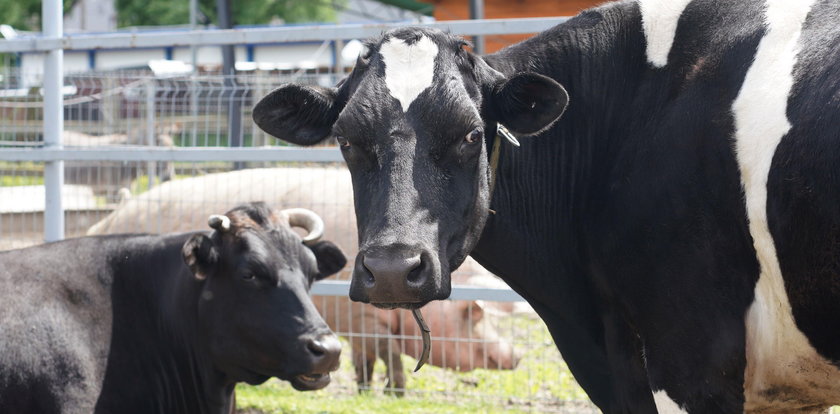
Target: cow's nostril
{"x": 391, "y": 276}
{"x": 390, "y": 267}
{"x": 417, "y": 275}
{"x": 325, "y": 351}
{"x": 316, "y": 347}
{"x": 325, "y": 345}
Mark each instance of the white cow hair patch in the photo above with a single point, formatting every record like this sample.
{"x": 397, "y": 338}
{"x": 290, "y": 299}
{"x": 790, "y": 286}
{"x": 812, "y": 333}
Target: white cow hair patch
{"x": 409, "y": 68}
{"x": 659, "y": 20}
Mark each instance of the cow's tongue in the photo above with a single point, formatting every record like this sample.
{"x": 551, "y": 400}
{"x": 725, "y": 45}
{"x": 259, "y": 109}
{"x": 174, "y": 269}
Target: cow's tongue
{"x": 311, "y": 377}
{"x": 427, "y": 339}
{"x": 308, "y": 382}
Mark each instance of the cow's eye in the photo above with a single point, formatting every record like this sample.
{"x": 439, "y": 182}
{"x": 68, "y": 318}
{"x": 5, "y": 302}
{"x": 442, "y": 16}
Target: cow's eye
{"x": 249, "y": 276}
{"x": 474, "y": 136}
{"x": 342, "y": 142}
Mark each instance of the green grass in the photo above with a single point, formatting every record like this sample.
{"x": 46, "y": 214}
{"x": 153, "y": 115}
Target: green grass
{"x": 541, "y": 382}
{"x": 19, "y": 180}
{"x": 276, "y": 398}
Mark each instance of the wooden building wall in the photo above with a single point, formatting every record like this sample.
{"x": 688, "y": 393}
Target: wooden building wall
{"x": 497, "y": 9}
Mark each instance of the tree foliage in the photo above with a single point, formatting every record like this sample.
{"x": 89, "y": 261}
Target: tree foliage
{"x": 172, "y": 12}
{"x": 26, "y": 14}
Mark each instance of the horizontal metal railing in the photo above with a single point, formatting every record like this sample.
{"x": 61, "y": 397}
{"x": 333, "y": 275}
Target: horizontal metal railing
{"x": 144, "y": 153}
{"x": 265, "y": 35}
{"x": 459, "y": 292}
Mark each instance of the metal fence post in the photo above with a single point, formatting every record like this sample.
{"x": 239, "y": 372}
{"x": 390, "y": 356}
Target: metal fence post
{"x": 151, "y": 136}
{"x": 193, "y": 76}
{"x": 477, "y": 13}
{"x": 53, "y": 27}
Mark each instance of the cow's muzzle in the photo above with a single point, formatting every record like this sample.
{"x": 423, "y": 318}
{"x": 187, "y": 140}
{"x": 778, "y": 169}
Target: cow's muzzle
{"x": 323, "y": 352}
{"x": 398, "y": 277}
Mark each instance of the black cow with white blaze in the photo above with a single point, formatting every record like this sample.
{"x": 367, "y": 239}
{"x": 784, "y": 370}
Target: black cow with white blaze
{"x": 165, "y": 324}
{"x": 678, "y": 229}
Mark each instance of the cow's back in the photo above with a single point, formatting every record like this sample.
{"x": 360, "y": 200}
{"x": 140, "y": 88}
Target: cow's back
{"x": 55, "y": 326}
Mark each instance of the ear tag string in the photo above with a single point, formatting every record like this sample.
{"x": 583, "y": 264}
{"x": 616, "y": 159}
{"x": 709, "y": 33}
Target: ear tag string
{"x": 501, "y": 132}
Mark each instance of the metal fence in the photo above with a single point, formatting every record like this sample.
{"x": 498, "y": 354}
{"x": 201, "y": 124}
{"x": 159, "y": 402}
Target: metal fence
{"x": 146, "y": 153}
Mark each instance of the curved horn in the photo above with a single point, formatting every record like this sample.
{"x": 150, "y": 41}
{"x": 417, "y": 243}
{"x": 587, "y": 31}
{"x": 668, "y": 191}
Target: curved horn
{"x": 219, "y": 222}
{"x": 306, "y": 219}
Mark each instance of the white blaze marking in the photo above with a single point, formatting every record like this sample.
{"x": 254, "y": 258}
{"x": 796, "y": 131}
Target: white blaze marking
{"x": 659, "y": 21}
{"x": 778, "y": 353}
{"x": 409, "y": 69}
{"x": 665, "y": 405}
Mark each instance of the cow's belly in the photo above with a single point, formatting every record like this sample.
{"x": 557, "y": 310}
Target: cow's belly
{"x": 784, "y": 371}
{"x": 792, "y": 325}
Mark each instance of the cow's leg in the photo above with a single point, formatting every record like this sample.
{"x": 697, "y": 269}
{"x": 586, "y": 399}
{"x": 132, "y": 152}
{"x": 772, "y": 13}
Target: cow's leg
{"x": 232, "y": 408}
{"x": 364, "y": 357}
{"x": 624, "y": 351}
{"x": 696, "y": 364}
{"x": 389, "y": 352}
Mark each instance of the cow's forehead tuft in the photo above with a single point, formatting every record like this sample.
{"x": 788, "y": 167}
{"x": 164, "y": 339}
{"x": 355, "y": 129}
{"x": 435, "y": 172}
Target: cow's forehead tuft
{"x": 409, "y": 67}
{"x": 412, "y": 35}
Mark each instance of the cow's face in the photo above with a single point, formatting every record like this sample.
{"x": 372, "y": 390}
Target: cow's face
{"x": 414, "y": 120}
{"x": 255, "y": 315}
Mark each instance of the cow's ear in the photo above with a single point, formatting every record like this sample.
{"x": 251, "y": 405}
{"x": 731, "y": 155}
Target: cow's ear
{"x": 528, "y": 103}
{"x": 300, "y": 114}
{"x": 200, "y": 255}
{"x": 473, "y": 311}
{"x": 330, "y": 258}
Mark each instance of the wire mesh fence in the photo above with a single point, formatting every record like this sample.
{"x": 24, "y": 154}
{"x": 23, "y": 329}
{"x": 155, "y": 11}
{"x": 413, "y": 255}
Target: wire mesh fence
{"x": 482, "y": 349}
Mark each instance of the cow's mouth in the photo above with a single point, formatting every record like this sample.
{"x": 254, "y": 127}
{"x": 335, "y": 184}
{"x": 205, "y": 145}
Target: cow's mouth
{"x": 399, "y": 305}
{"x": 310, "y": 382}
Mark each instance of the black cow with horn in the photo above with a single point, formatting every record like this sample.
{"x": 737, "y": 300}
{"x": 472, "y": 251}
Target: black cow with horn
{"x": 166, "y": 324}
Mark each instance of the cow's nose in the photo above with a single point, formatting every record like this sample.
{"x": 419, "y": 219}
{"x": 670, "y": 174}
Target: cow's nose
{"x": 391, "y": 268}
{"x": 325, "y": 351}
{"x": 392, "y": 278}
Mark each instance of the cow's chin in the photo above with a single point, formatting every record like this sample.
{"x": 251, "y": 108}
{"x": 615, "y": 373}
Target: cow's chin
{"x": 310, "y": 382}
{"x": 301, "y": 382}
{"x": 439, "y": 294}
{"x": 400, "y": 305}
{"x": 250, "y": 377}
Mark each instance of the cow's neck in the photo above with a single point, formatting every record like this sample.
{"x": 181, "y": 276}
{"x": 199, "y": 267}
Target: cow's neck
{"x": 156, "y": 362}
{"x": 545, "y": 188}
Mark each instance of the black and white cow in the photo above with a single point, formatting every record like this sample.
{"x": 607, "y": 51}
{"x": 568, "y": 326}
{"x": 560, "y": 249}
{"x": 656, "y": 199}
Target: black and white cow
{"x": 678, "y": 229}
{"x": 165, "y": 324}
